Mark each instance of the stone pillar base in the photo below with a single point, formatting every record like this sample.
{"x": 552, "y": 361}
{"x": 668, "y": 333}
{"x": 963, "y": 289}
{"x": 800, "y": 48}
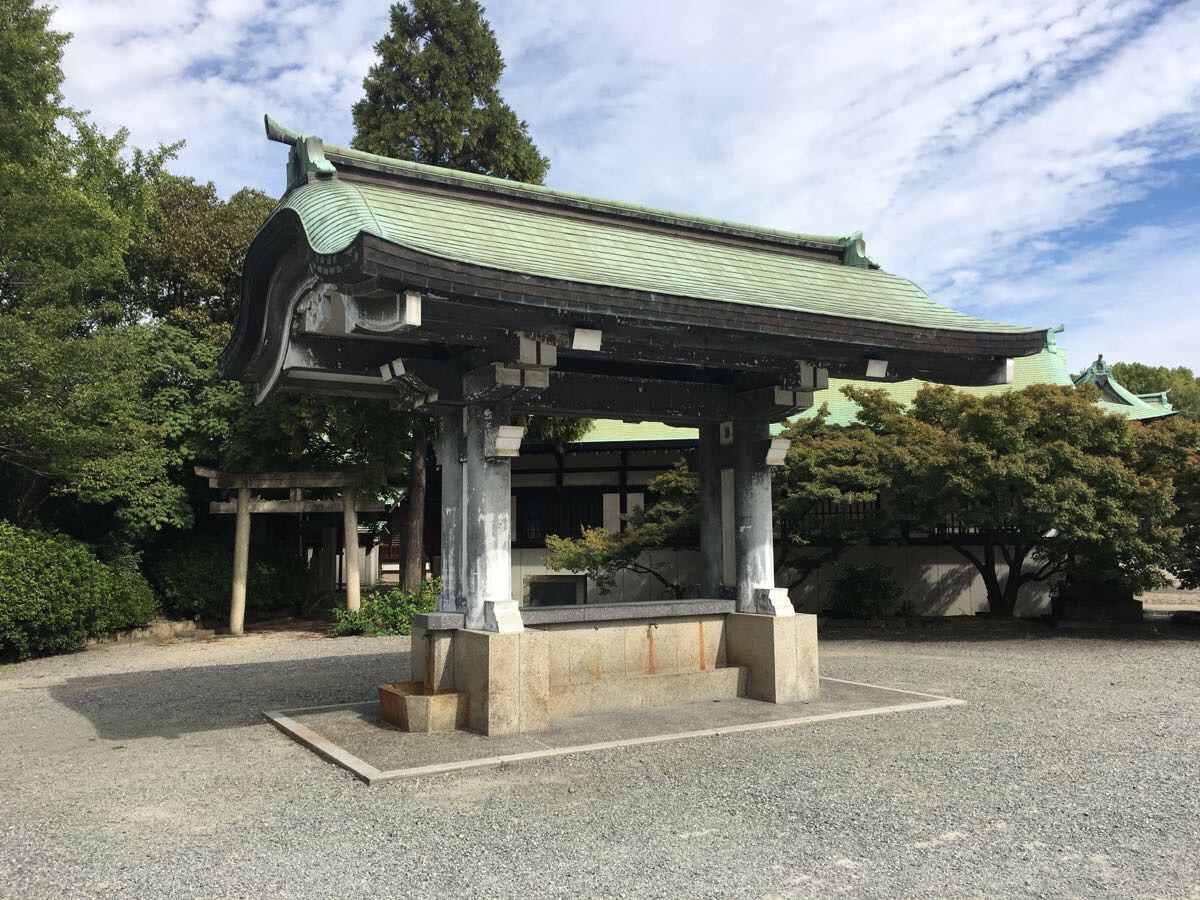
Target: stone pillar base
{"x": 506, "y": 678}
{"x": 780, "y": 653}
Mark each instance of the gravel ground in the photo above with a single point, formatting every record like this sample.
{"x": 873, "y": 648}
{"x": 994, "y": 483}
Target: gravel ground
{"x": 147, "y": 771}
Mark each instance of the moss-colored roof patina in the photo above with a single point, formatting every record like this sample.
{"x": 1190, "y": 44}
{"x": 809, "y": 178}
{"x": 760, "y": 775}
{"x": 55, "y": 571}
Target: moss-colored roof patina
{"x": 338, "y": 193}
{"x": 1116, "y": 398}
{"x": 1047, "y": 367}
{"x": 531, "y": 242}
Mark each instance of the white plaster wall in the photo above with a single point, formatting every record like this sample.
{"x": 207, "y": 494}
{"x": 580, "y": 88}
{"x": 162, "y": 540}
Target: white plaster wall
{"x": 935, "y": 580}
{"x": 369, "y": 573}
{"x": 631, "y": 587}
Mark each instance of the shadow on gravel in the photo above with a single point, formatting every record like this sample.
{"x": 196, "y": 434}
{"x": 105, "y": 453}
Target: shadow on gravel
{"x": 171, "y": 703}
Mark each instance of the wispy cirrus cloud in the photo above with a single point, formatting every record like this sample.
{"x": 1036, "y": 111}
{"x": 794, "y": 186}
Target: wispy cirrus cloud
{"x": 1018, "y": 160}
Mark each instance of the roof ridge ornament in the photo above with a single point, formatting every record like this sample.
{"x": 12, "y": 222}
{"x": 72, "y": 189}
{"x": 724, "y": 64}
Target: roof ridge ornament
{"x": 1052, "y": 336}
{"x": 308, "y": 153}
{"x": 854, "y": 252}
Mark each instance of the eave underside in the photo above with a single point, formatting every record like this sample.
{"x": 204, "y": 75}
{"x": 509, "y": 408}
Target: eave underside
{"x": 698, "y": 360}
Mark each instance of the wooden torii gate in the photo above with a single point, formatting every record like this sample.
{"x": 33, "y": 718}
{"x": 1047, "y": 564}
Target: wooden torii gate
{"x": 295, "y": 483}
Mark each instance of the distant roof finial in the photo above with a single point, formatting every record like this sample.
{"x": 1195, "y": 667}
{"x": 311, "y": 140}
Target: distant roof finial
{"x": 854, "y": 252}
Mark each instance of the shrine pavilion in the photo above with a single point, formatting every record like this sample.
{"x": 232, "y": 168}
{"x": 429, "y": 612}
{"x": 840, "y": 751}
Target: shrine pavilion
{"x": 478, "y": 300}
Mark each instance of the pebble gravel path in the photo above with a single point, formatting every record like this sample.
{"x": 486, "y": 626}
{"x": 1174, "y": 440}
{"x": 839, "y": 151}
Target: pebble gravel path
{"x": 147, "y": 771}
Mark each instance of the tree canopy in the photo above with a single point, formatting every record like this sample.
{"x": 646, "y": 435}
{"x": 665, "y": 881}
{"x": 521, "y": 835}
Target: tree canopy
{"x": 670, "y": 520}
{"x": 1040, "y": 480}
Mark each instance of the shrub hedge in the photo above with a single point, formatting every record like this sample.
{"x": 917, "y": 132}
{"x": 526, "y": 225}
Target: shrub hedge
{"x": 863, "y": 592}
{"x": 194, "y": 577}
{"x": 386, "y": 612}
{"x": 54, "y": 593}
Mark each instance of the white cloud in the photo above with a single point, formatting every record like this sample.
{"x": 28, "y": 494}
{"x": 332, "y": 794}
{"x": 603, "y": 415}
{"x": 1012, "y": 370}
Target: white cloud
{"x": 968, "y": 139}
{"x": 1133, "y": 298}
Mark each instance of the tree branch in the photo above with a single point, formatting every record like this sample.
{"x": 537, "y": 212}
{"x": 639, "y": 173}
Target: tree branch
{"x": 975, "y": 560}
{"x": 1047, "y": 571}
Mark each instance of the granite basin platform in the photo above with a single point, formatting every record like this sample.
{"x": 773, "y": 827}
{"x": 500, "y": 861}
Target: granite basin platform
{"x": 355, "y": 737}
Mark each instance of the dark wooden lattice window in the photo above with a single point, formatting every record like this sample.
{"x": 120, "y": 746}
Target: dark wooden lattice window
{"x": 564, "y": 513}
{"x": 825, "y": 512}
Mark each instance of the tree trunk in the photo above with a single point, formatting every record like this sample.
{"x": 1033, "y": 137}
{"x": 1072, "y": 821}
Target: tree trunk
{"x": 1002, "y": 600}
{"x": 1012, "y": 587}
{"x": 995, "y": 596}
{"x": 414, "y": 517}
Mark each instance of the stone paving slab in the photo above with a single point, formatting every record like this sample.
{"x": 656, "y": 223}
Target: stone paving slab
{"x": 356, "y": 738}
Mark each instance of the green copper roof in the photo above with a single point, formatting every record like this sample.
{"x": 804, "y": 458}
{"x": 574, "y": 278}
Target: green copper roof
{"x": 311, "y": 155}
{"x": 1116, "y": 398}
{"x": 1047, "y": 367}
{"x": 613, "y": 431}
{"x": 619, "y": 251}
{"x": 537, "y": 243}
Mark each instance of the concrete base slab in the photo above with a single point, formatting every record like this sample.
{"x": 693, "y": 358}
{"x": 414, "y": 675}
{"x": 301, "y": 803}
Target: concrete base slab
{"x": 355, "y": 737}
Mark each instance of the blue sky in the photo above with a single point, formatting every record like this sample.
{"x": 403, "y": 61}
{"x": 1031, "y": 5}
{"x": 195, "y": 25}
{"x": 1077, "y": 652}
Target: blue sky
{"x": 1029, "y": 162}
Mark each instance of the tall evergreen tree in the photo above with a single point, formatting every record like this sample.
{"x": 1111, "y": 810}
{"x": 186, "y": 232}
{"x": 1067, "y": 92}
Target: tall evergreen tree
{"x": 434, "y": 98}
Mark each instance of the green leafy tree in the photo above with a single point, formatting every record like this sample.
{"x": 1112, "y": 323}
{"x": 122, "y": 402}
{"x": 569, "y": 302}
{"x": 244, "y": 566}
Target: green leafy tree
{"x": 74, "y": 422}
{"x": 556, "y": 431}
{"x": 1169, "y": 450}
{"x": 827, "y": 494}
{"x": 1181, "y": 382}
{"x": 1038, "y": 480}
{"x": 186, "y": 266}
{"x": 670, "y": 520}
{"x": 433, "y": 97}
{"x": 71, "y": 200}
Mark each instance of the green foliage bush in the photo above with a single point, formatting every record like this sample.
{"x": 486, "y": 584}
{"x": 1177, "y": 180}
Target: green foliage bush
{"x": 129, "y": 600}
{"x": 54, "y": 593}
{"x": 194, "y": 577}
{"x": 861, "y": 592}
{"x": 386, "y": 612}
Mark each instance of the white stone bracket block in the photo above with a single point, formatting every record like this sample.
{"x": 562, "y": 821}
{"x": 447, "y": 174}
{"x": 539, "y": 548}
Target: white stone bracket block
{"x": 502, "y": 617}
{"x": 503, "y": 441}
{"x": 773, "y": 602}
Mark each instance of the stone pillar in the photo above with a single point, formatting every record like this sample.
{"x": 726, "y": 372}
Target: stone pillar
{"x": 327, "y": 561}
{"x": 708, "y": 469}
{"x": 350, "y": 547}
{"x": 755, "y": 565}
{"x": 451, "y": 598}
{"x": 488, "y": 554}
{"x": 241, "y": 562}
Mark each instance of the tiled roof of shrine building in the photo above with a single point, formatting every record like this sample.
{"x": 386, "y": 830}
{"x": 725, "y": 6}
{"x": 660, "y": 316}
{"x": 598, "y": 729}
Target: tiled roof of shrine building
{"x": 338, "y": 193}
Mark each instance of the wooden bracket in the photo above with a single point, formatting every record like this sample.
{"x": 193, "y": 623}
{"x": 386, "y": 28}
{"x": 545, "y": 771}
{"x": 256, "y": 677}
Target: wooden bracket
{"x": 530, "y": 351}
{"x": 775, "y": 451}
{"x": 773, "y": 403}
{"x": 498, "y": 382}
{"x": 413, "y": 392}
